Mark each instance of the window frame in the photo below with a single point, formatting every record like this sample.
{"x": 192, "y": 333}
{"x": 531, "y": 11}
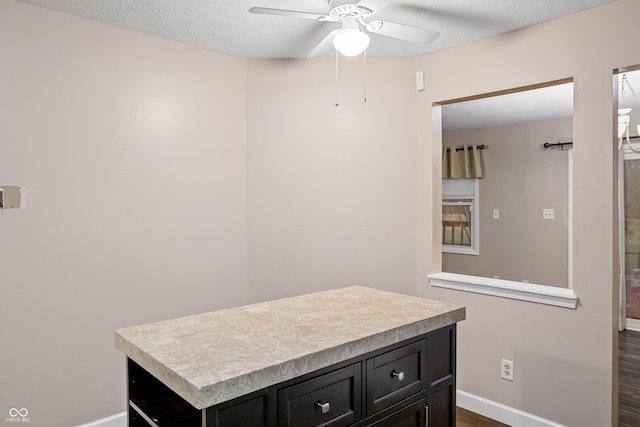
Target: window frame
{"x": 473, "y": 195}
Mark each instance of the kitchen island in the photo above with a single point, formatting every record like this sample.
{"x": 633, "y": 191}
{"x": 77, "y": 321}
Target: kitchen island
{"x": 351, "y": 356}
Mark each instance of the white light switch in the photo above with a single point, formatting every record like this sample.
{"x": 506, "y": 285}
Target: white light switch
{"x": 496, "y": 213}
{"x": 548, "y": 213}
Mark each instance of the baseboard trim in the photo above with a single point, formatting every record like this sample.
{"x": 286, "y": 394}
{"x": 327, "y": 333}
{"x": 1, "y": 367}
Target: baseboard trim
{"x": 499, "y": 412}
{"x": 117, "y": 420}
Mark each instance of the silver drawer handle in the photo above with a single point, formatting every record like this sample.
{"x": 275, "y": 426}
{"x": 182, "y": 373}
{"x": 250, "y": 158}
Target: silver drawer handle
{"x": 324, "y": 406}
{"x": 398, "y": 375}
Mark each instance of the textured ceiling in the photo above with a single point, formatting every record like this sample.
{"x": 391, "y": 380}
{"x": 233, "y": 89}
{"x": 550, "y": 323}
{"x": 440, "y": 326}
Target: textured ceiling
{"x": 539, "y": 104}
{"x": 226, "y": 26}
{"x": 520, "y": 107}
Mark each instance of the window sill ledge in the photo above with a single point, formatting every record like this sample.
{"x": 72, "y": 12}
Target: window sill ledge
{"x": 543, "y": 294}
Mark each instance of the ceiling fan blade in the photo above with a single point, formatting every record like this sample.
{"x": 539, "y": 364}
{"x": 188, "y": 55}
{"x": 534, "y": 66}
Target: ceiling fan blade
{"x": 373, "y": 5}
{"x": 324, "y": 46}
{"x": 290, "y": 13}
{"x": 404, "y": 32}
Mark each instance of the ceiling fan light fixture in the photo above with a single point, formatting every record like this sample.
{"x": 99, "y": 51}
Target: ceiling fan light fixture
{"x": 351, "y": 41}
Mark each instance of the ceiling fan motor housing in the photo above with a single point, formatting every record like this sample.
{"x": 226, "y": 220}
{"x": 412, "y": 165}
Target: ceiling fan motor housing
{"x": 354, "y": 15}
{"x": 341, "y": 8}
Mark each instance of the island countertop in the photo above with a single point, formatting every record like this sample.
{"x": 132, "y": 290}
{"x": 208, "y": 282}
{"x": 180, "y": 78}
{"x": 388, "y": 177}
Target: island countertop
{"x": 213, "y": 357}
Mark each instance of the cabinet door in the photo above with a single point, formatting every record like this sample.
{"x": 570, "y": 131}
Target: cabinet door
{"x": 442, "y": 409}
{"x": 330, "y": 400}
{"x": 441, "y": 366}
{"x": 414, "y": 415}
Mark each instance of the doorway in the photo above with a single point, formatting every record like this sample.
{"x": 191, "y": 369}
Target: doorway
{"x": 630, "y": 235}
{"x": 629, "y": 198}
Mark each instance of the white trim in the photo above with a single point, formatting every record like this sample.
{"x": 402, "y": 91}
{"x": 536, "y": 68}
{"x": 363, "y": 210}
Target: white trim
{"x": 570, "y": 219}
{"x": 499, "y": 412}
{"x": 632, "y": 324}
{"x": 622, "y": 236}
{"x": 543, "y": 294}
{"x": 624, "y": 322}
{"x": 460, "y": 250}
{"x": 117, "y": 420}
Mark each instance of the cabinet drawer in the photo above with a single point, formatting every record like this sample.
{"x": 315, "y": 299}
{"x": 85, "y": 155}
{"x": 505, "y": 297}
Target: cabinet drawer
{"x": 395, "y": 375}
{"x": 331, "y": 400}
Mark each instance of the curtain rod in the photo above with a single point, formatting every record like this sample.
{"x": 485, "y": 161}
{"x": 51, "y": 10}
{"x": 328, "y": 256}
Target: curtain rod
{"x": 557, "y": 144}
{"x": 562, "y": 144}
{"x": 479, "y": 147}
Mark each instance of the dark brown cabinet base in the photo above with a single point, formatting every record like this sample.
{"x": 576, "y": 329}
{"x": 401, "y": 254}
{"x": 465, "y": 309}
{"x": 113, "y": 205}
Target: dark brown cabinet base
{"x": 411, "y": 383}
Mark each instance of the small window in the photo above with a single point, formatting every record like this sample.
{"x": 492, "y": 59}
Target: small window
{"x": 456, "y": 222}
{"x": 460, "y": 216}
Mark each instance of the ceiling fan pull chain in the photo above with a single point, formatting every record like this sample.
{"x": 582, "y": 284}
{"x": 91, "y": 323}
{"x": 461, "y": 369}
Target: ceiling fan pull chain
{"x": 364, "y": 62}
{"x": 337, "y": 104}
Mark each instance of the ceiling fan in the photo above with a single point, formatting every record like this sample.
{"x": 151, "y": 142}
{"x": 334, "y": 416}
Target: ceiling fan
{"x": 352, "y": 39}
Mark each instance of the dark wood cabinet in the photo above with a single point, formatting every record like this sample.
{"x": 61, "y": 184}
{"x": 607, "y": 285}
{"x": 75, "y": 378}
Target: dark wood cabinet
{"x": 412, "y": 415}
{"x": 411, "y": 383}
{"x": 247, "y": 411}
{"x": 329, "y": 400}
{"x": 441, "y": 371}
{"x": 395, "y": 375}
{"x": 151, "y": 403}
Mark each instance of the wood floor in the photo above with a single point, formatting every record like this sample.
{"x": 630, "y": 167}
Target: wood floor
{"x": 465, "y": 418}
{"x": 629, "y": 379}
{"x": 628, "y": 388}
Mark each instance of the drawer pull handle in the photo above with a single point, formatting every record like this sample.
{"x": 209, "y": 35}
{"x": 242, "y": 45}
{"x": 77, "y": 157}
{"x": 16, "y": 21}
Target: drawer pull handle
{"x": 398, "y": 375}
{"x": 324, "y": 406}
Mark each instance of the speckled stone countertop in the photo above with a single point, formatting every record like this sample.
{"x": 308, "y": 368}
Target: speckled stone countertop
{"x": 213, "y": 357}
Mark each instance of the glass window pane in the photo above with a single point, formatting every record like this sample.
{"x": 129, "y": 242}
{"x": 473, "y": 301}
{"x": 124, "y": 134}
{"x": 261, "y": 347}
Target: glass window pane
{"x": 456, "y": 222}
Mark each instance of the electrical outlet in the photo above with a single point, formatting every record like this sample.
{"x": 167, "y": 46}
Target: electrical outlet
{"x": 507, "y": 370}
{"x": 548, "y": 214}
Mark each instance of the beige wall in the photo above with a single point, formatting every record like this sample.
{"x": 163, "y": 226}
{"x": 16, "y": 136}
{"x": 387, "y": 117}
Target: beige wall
{"x": 132, "y": 150}
{"x": 98, "y": 123}
{"x": 521, "y": 178}
{"x": 565, "y": 363}
{"x": 331, "y": 189}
